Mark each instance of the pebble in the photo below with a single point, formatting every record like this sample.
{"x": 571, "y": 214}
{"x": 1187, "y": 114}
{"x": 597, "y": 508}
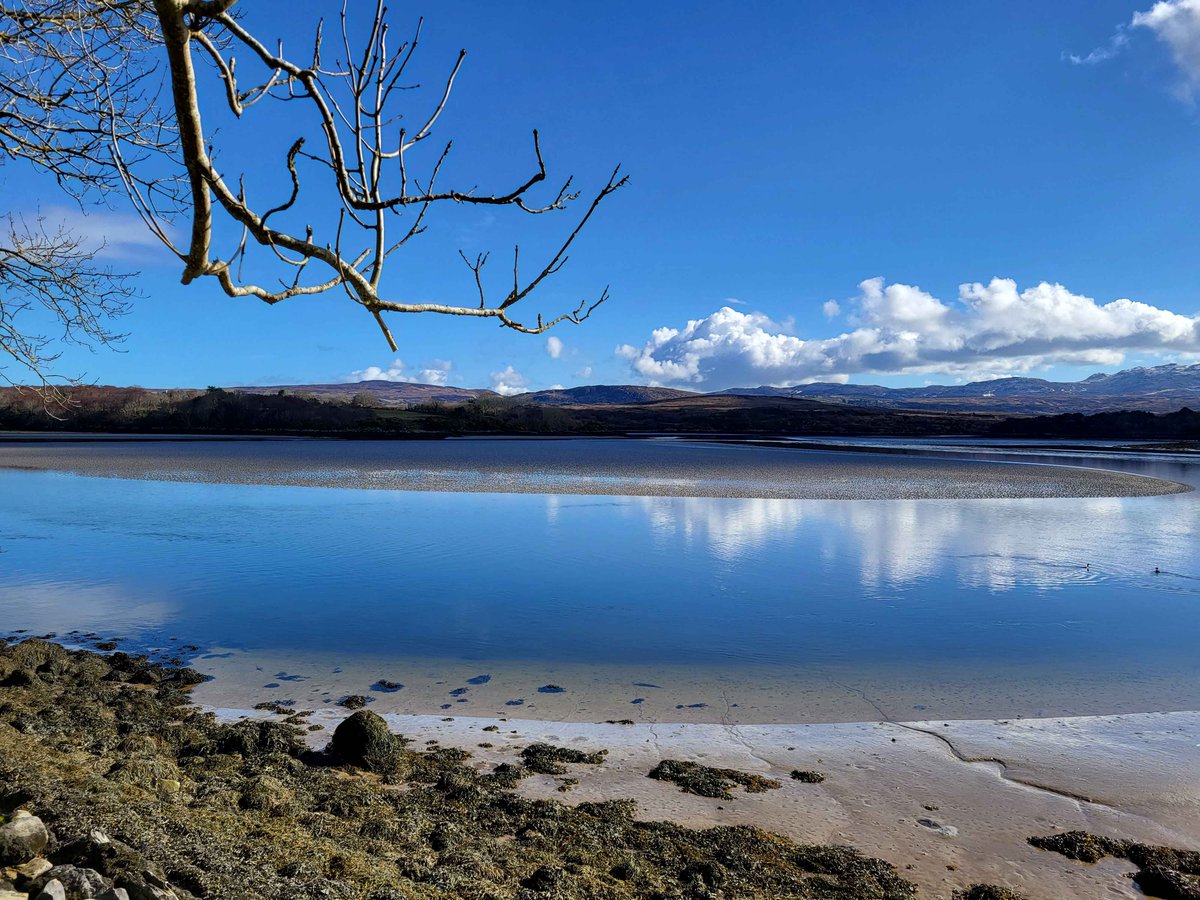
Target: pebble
{"x": 940, "y": 828}
{"x": 52, "y": 891}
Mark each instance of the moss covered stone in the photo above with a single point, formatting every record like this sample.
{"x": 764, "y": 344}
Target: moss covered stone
{"x": 364, "y": 740}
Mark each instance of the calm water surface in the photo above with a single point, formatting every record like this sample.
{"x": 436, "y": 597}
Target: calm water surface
{"x": 751, "y": 609}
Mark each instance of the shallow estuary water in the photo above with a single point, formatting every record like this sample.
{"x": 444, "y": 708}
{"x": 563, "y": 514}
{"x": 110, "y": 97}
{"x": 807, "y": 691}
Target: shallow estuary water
{"x": 976, "y": 593}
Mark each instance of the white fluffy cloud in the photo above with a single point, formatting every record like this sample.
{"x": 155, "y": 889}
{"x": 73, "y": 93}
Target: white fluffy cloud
{"x": 508, "y": 382}
{"x": 1177, "y": 24}
{"x": 436, "y": 372}
{"x": 902, "y": 329}
{"x": 554, "y": 346}
{"x": 831, "y": 308}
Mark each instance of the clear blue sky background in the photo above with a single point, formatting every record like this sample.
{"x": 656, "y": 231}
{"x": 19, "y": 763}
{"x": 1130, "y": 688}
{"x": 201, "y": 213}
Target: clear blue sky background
{"x": 780, "y": 153}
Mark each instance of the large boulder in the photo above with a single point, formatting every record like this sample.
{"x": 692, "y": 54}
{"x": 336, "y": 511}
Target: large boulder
{"x": 22, "y": 839}
{"x": 363, "y": 740}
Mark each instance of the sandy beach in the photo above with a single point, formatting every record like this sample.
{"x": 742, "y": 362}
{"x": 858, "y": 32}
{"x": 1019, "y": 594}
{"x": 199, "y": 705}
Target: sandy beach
{"x": 950, "y": 803}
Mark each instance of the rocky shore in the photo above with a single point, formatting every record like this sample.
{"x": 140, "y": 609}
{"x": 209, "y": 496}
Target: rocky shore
{"x": 113, "y": 785}
{"x": 111, "y": 782}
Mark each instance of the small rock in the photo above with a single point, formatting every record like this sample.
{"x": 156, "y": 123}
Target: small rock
{"x": 114, "y": 894}
{"x": 52, "y": 891}
{"x": 35, "y": 868}
{"x": 169, "y": 786}
{"x": 940, "y": 828}
{"x": 22, "y": 839}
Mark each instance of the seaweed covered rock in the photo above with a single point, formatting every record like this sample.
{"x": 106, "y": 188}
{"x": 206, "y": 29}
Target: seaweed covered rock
{"x": 547, "y": 759}
{"x": 1080, "y": 845}
{"x": 806, "y": 776}
{"x": 1162, "y": 871}
{"x": 364, "y": 740}
{"x": 255, "y": 738}
{"x": 1170, "y": 884}
{"x": 986, "y": 892}
{"x": 706, "y": 781}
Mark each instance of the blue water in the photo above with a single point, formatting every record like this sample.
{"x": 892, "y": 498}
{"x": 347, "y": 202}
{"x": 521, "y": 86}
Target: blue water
{"x": 866, "y": 587}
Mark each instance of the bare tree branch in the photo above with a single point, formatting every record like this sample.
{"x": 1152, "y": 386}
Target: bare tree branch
{"x": 363, "y": 156}
{"x": 52, "y": 290}
{"x": 78, "y": 101}
{"x": 80, "y": 86}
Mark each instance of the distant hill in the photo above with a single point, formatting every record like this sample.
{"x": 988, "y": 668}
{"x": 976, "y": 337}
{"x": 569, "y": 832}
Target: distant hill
{"x": 604, "y": 394}
{"x": 385, "y": 393}
{"x": 398, "y": 393}
{"x": 1149, "y": 389}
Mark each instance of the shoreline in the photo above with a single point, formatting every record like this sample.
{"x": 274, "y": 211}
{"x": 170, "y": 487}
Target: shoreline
{"x": 118, "y": 743}
{"x": 949, "y": 804}
{"x": 695, "y": 694}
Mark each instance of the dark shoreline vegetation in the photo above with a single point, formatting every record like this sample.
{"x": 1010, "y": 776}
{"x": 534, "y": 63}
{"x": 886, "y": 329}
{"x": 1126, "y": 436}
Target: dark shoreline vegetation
{"x": 158, "y": 798}
{"x": 216, "y": 411}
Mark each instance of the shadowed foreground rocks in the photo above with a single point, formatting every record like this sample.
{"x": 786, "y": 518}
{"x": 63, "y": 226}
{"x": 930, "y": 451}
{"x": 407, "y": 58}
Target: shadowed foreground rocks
{"x": 142, "y": 794}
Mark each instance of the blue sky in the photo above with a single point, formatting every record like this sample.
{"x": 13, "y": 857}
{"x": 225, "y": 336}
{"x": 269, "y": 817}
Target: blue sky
{"x": 782, "y": 155}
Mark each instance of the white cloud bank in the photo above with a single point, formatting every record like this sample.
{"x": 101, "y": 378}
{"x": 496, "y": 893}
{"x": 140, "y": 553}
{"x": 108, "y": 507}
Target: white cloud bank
{"x": 436, "y": 372}
{"x": 508, "y": 382}
{"x": 901, "y": 329}
{"x": 554, "y": 346}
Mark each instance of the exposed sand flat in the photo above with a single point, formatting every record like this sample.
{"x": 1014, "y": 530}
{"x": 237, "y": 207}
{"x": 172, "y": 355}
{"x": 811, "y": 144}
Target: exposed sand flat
{"x": 882, "y": 779}
{"x": 602, "y": 467}
{"x": 695, "y": 694}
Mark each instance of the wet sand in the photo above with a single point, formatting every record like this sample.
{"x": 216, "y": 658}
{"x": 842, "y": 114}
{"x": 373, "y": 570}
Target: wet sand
{"x": 733, "y": 695}
{"x": 911, "y": 793}
{"x": 611, "y": 467}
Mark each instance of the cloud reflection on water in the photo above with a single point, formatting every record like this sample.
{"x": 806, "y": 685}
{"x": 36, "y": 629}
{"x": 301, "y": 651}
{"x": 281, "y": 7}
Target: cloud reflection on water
{"x": 60, "y": 606}
{"x": 992, "y": 544}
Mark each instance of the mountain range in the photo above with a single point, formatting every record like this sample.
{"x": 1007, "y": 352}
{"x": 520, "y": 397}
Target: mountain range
{"x": 1152, "y": 389}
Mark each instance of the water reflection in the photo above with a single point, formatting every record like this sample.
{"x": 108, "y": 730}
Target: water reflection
{"x": 790, "y": 585}
{"x": 995, "y": 544}
{"x": 56, "y": 606}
